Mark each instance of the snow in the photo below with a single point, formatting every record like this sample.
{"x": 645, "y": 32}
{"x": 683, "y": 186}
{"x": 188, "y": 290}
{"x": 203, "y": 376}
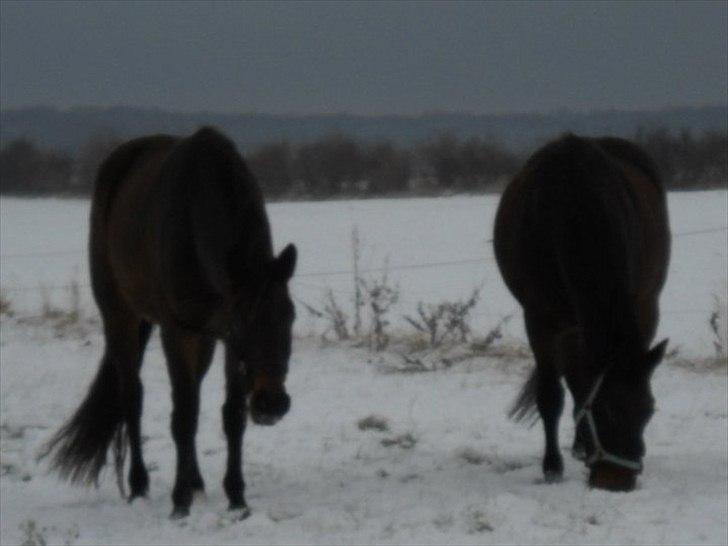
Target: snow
{"x": 43, "y": 248}
{"x": 471, "y": 477}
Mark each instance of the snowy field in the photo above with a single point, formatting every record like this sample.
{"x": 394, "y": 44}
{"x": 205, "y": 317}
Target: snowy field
{"x": 448, "y": 468}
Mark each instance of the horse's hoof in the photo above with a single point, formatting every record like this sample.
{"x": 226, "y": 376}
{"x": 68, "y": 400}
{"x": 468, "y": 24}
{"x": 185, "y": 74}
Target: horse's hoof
{"x": 133, "y": 496}
{"x": 578, "y": 452}
{"x": 241, "y": 512}
{"x": 197, "y": 484}
{"x": 179, "y": 512}
{"x": 552, "y": 477}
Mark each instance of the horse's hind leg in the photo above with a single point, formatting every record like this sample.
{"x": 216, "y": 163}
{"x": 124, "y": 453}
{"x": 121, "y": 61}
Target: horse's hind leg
{"x": 126, "y": 339}
{"x": 188, "y": 358}
{"x": 126, "y": 336}
{"x": 138, "y": 476}
{"x": 204, "y": 359}
{"x": 549, "y": 393}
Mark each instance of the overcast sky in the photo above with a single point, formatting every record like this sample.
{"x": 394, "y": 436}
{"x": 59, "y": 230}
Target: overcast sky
{"x": 366, "y": 58}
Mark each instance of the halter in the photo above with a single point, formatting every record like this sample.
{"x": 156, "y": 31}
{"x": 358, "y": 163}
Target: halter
{"x": 600, "y": 454}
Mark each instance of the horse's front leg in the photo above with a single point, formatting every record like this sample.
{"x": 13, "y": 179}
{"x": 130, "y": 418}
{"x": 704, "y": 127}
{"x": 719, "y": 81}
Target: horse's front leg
{"x": 187, "y": 360}
{"x": 234, "y": 420}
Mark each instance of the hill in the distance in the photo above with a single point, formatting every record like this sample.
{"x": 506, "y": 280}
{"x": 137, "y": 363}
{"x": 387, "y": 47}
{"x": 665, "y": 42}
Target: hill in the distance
{"x": 67, "y": 130}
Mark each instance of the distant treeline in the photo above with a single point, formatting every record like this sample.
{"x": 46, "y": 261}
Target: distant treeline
{"x": 341, "y": 166}
{"x": 69, "y": 129}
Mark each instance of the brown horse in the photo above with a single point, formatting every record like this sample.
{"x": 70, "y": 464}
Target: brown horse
{"x": 180, "y": 238}
{"x": 582, "y": 241}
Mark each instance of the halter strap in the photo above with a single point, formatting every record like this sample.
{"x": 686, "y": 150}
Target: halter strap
{"x": 600, "y": 454}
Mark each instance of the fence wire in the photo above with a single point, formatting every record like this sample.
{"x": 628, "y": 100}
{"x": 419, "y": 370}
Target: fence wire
{"x": 334, "y": 272}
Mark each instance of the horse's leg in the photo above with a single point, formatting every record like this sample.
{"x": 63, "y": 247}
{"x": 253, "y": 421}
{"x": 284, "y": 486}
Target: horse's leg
{"x": 183, "y": 350}
{"x": 120, "y": 360}
{"x": 549, "y": 393}
{"x": 571, "y": 354}
{"x": 205, "y": 354}
{"x": 138, "y": 476}
{"x": 234, "y": 418}
{"x": 578, "y": 448}
{"x": 126, "y": 337}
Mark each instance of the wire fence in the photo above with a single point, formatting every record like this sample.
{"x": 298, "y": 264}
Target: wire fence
{"x": 43, "y": 254}
{"x": 332, "y": 272}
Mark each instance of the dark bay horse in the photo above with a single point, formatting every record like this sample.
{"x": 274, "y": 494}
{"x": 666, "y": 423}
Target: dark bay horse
{"x": 180, "y": 238}
{"x": 583, "y": 243}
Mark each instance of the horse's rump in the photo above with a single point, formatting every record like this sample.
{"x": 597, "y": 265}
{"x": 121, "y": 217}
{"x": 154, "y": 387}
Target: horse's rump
{"x": 576, "y": 240}
{"x": 185, "y": 218}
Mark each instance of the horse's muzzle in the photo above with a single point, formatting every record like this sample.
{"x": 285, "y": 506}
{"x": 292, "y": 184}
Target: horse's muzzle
{"x": 612, "y": 478}
{"x": 267, "y": 407}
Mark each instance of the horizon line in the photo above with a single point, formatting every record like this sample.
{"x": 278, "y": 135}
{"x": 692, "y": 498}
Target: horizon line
{"x": 424, "y": 114}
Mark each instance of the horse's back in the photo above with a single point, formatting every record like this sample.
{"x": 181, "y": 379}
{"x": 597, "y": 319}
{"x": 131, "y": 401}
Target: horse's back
{"x": 561, "y": 186}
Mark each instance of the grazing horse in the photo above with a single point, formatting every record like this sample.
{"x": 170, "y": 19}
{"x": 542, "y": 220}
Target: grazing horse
{"x": 583, "y": 243}
{"x": 180, "y": 238}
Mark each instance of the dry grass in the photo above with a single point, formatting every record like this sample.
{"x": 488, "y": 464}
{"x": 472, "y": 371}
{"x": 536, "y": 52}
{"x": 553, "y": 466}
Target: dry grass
{"x": 6, "y": 307}
{"x": 402, "y": 441}
{"x": 374, "y": 422}
{"x": 65, "y": 321}
{"x": 715, "y": 364}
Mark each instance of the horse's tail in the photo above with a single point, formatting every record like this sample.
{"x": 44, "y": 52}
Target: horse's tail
{"x": 78, "y": 450}
{"x": 524, "y": 407}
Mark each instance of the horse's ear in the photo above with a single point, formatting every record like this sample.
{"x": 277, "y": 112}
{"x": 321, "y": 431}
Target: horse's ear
{"x": 285, "y": 263}
{"x": 654, "y": 356}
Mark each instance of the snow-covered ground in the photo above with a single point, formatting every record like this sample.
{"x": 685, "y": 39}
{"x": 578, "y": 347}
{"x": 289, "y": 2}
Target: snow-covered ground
{"x": 450, "y": 468}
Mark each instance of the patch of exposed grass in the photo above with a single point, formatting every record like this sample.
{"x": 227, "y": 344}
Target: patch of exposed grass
{"x": 6, "y": 307}
{"x": 403, "y": 441}
{"x": 716, "y": 363}
{"x": 374, "y": 422}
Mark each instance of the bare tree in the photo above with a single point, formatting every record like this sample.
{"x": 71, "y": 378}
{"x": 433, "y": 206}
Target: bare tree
{"x": 272, "y": 165}
{"x": 93, "y": 152}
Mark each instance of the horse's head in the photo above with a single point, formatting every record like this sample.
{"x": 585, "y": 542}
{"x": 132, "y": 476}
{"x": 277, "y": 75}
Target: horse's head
{"x": 611, "y": 416}
{"x": 260, "y": 332}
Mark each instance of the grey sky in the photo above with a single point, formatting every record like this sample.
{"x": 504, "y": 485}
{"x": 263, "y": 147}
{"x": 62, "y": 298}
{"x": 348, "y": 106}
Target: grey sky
{"x": 369, "y": 58}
